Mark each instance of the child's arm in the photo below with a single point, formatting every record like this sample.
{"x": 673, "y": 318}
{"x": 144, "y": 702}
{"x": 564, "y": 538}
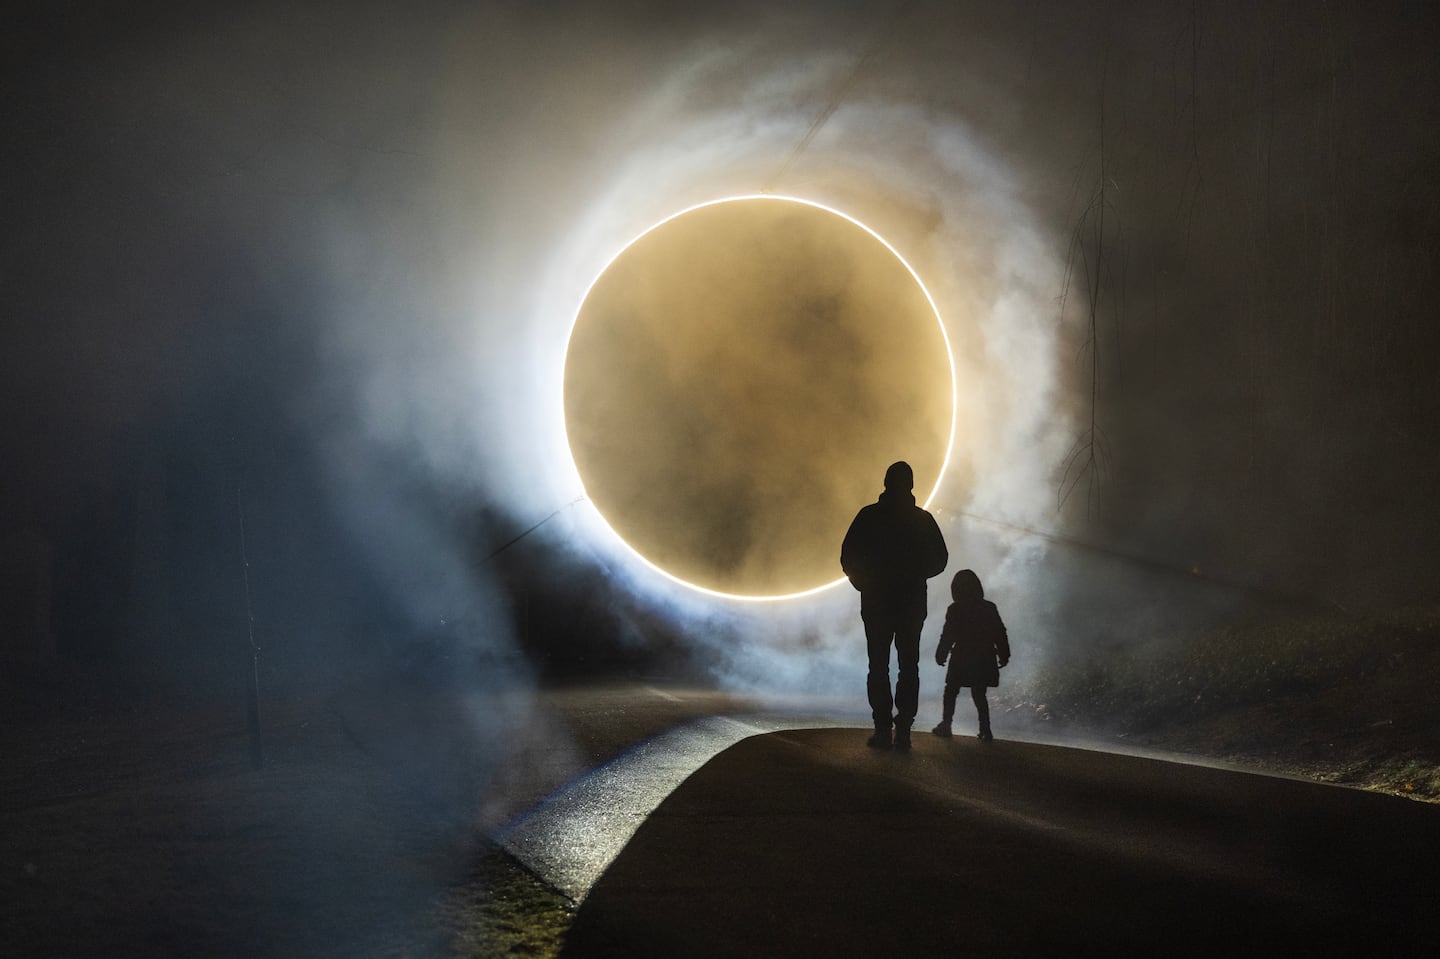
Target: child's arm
{"x": 1002, "y": 641}
{"x": 946, "y": 643}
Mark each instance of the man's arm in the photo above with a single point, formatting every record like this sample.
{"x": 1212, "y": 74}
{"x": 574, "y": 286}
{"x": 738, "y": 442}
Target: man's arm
{"x": 852, "y": 559}
{"x": 937, "y": 557}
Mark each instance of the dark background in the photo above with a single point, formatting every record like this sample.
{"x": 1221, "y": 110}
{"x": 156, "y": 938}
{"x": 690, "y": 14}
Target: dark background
{"x": 197, "y": 199}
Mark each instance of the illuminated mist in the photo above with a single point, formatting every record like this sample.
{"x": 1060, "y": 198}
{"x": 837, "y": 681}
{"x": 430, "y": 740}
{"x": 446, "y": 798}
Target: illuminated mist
{"x": 332, "y": 258}
{"x": 444, "y": 268}
{"x": 1007, "y": 417}
{"x": 736, "y": 378}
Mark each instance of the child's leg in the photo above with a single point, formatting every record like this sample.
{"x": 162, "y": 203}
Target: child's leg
{"x": 952, "y": 690}
{"x": 982, "y": 708}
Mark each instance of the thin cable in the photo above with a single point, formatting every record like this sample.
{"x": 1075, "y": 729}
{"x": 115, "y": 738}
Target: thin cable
{"x": 886, "y": 30}
{"x": 1191, "y": 574}
{"x": 513, "y": 541}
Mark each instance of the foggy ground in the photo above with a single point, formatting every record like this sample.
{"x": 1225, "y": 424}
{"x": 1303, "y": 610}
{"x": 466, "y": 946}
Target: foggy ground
{"x": 146, "y": 833}
{"x": 142, "y": 832}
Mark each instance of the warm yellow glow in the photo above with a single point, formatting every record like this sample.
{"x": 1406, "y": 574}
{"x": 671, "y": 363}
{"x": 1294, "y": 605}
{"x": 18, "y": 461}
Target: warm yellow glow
{"x": 928, "y": 299}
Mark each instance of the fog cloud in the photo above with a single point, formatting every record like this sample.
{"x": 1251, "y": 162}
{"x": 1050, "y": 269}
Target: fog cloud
{"x": 367, "y": 234}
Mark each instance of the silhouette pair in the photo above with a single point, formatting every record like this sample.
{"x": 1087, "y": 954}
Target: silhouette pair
{"x": 891, "y": 548}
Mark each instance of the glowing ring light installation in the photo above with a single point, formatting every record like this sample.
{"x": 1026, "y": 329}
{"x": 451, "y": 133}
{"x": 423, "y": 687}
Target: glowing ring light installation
{"x": 737, "y": 379}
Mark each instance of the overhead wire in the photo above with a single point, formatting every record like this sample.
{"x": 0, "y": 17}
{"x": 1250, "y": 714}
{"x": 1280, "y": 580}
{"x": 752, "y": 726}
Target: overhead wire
{"x": 1192, "y": 574}
{"x": 878, "y": 40}
{"x": 515, "y": 539}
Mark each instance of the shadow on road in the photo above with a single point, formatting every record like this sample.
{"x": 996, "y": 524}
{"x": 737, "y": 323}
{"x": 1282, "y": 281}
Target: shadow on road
{"x": 804, "y": 843}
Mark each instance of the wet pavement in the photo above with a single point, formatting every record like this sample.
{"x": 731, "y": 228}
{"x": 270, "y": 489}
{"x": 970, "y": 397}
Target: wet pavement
{"x": 722, "y": 837}
{"x": 571, "y": 839}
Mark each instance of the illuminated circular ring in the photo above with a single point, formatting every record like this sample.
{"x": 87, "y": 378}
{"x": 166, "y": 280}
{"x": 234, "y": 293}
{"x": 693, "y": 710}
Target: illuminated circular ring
{"x": 944, "y": 335}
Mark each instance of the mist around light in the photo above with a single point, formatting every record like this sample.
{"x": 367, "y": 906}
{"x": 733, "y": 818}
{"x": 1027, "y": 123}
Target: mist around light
{"x": 952, "y": 211}
{"x": 712, "y": 378}
{"x": 348, "y": 280}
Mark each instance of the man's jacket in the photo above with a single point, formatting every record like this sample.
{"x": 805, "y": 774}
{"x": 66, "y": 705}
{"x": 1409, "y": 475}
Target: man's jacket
{"x": 892, "y": 547}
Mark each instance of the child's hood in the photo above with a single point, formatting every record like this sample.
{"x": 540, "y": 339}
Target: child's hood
{"x": 966, "y": 588}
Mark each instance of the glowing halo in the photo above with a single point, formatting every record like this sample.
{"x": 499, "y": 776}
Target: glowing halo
{"x": 585, "y": 296}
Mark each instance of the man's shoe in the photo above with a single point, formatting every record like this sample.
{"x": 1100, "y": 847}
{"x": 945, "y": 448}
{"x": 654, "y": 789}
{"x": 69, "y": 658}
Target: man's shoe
{"x": 943, "y": 730}
{"x": 880, "y": 739}
{"x": 902, "y": 738}
{"x": 985, "y": 736}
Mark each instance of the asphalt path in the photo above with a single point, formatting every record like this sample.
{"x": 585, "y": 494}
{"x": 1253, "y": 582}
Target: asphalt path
{"x": 728, "y": 840}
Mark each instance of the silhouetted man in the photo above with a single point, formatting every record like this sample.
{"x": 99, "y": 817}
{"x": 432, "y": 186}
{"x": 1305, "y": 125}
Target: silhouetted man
{"x": 892, "y": 547}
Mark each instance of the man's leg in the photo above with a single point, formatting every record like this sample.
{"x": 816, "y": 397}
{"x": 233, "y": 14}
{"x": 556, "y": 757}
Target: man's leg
{"x": 907, "y": 683}
{"x": 878, "y": 634}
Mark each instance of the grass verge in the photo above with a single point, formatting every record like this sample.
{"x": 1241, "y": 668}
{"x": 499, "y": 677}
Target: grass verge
{"x": 1333, "y": 698}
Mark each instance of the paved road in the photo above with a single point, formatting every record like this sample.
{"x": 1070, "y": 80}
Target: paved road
{"x": 804, "y": 843}
{"x": 628, "y": 733}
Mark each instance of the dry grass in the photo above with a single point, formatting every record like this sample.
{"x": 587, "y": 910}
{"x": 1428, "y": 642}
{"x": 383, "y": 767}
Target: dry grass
{"x": 1337, "y": 699}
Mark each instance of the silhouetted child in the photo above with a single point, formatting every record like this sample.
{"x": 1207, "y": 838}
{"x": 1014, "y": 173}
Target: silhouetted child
{"x": 974, "y": 640}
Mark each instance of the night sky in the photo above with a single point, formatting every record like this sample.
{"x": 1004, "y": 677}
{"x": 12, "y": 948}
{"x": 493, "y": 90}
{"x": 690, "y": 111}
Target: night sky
{"x": 315, "y": 264}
